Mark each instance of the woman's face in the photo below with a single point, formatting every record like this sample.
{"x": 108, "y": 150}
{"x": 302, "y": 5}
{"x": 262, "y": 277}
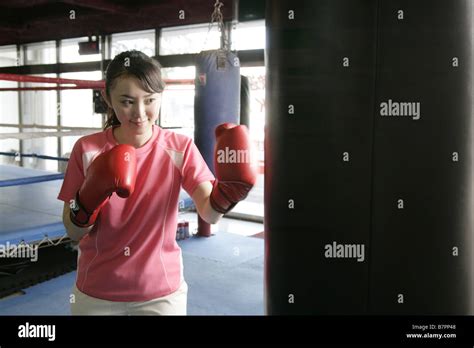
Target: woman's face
{"x": 136, "y": 109}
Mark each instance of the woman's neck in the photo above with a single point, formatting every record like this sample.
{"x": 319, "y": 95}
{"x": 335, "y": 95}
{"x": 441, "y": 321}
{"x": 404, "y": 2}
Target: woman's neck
{"x": 136, "y": 141}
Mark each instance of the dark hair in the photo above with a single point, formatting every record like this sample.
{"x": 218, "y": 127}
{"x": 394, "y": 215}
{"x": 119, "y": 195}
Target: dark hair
{"x": 132, "y": 63}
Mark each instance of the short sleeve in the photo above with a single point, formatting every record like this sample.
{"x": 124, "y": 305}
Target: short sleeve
{"x": 74, "y": 175}
{"x": 194, "y": 170}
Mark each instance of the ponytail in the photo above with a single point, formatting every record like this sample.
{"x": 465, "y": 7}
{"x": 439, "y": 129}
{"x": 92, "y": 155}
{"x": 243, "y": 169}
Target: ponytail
{"x": 112, "y": 119}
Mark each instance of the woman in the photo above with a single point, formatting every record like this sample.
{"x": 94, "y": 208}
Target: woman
{"x": 121, "y": 192}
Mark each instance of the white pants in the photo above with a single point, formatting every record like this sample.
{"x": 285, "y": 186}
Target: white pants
{"x": 172, "y": 304}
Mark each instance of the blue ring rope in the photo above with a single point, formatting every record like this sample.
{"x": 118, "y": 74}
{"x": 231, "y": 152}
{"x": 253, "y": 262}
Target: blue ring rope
{"x": 15, "y": 154}
{"x": 31, "y": 180}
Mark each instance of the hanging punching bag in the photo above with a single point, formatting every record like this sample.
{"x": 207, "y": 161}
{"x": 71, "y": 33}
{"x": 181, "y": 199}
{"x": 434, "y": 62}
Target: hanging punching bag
{"x": 216, "y": 101}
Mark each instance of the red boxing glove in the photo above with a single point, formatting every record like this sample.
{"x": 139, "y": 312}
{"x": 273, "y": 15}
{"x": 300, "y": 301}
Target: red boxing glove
{"x": 235, "y": 171}
{"x": 111, "y": 171}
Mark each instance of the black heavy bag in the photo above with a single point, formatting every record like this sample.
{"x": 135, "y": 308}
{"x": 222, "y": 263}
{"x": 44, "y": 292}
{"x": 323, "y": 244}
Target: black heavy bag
{"x": 368, "y": 157}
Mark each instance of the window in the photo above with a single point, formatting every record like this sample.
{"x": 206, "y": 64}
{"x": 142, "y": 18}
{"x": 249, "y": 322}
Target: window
{"x": 39, "y": 107}
{"x": 188, "y": 39}
{"x": 70, "y": 52}
{"x": 177, "y": 108}
{"x": 256, "y": 76}
{"x": 8, "y": 100}
{"x": 248, "y": 36}
{"x": 9, "y": 103}
{"x": 43, "y": 146}
{"x": 77, "y": 108}
{"x": 67, "y": 143}
{"x": 40, "y": 53}
{"x": 143, "y": 41}
{"x": 9, "y": 145}
{"x": 253, "y": 205}
{"x": 8, "y": 56}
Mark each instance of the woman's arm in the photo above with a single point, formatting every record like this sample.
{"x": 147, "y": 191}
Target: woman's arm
{"x": 74, "y": 232}
{"x": 201, "y": 199}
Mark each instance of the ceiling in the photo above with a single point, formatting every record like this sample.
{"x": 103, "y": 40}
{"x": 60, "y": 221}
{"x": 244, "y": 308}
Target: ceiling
{"x": 24, "y": 21}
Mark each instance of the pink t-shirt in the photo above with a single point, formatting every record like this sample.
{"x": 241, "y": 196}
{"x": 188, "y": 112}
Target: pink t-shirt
{"x": 131, "y": 253}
